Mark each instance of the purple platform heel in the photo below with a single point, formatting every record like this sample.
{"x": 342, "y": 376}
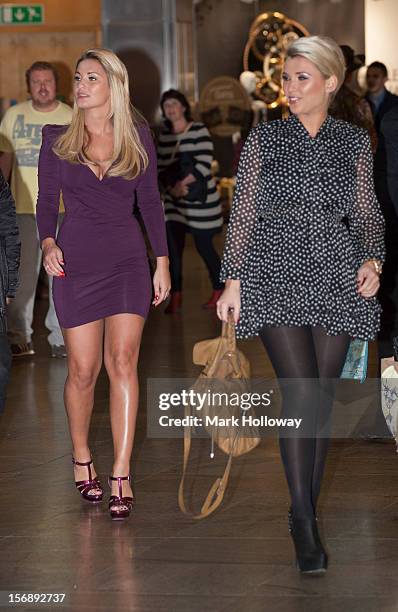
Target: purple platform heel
{"x": 85, "y": 486}
{"x": 119, "y": 506}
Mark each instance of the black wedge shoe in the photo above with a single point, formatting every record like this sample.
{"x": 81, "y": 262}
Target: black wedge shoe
{"x": 311, "y": 557}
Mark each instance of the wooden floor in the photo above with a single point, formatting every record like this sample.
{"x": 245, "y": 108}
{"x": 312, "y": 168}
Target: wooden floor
{"x": 239, "y": 560}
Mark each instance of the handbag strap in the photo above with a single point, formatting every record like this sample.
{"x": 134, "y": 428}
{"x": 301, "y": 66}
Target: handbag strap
{"x": 177, "y": 144}
{"x": 228, "y": 334}
{"x": 218, "y": 488}
{"x": 228, "y": 331}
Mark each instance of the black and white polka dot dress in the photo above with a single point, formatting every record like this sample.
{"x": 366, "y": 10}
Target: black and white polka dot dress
{"x": 304, "y": 218}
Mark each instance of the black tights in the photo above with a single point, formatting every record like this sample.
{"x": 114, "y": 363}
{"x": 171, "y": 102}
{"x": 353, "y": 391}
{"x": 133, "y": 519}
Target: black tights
{"x": 313, "y": 359}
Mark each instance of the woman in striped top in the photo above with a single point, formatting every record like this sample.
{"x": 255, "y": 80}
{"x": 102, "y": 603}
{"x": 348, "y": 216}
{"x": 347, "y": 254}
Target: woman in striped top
{"x": 185, "y": 210}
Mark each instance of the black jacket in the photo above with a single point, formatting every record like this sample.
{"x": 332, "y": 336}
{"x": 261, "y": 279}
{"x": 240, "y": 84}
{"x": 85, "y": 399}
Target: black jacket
{"x": 389, "y": 102}
{"x": 10, "y": 248}
{"x": 389, "y": 129}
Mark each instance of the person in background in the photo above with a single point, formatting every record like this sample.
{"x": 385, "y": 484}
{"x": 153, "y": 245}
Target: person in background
{"x": 192, "y": 202}
{"x": 347, "y": 104}
{"x": 389, "y": 130}
{"x": 20, "y": 142}
{"x": 380, "y": 99}
{"x": 381, "y": 102}
{"x": 10, "y": 248}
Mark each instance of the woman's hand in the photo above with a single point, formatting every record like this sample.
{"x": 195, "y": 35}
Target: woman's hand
{"x": 368, "y": 281}
{"x": 179, "y": 190}
{"x": 230, "y": 299}
{"x": 161, "y": 280}
{"x": 189, "y": 179}
{"x": 53, "y": 258}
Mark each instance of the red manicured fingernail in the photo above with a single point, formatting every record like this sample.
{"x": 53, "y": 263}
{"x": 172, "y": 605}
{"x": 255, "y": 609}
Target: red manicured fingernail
{"x": 156, "y": 297}
{"x": 62, "y": 273}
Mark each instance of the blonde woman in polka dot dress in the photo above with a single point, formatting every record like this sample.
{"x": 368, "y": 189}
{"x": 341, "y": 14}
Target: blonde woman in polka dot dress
{"x": 302, "y": 261}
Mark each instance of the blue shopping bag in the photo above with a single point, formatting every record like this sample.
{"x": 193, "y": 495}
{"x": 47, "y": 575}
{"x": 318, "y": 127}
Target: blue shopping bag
{"x": 356, "y": 363}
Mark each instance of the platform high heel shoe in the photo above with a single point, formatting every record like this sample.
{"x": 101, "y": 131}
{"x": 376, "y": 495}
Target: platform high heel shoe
{"x": 86, "y": 486}
{"x": 311, "y": 557}
{"x": 120, "y": 506}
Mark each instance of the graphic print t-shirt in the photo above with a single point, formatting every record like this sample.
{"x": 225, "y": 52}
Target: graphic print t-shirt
{"x": 20, "y": 133}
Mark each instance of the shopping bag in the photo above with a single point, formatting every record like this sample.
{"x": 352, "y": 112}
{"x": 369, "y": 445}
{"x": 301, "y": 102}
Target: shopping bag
{"x": 356, "y": 363}
{"x": 389, "y": 390}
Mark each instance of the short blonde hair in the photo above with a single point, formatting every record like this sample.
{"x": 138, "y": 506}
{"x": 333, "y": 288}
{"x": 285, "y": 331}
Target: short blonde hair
{"x": 129, "y": 157}
{"x": 324, "y": 53}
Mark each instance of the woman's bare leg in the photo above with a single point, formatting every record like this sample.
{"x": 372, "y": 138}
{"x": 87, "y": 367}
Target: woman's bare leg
{"x": 121, "y": 349}
{"x": 84, "y": 349}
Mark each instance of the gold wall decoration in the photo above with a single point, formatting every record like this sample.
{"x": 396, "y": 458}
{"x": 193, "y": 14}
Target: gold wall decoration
{"x": 224, "y": 106}
{"x": 269, "y": 36}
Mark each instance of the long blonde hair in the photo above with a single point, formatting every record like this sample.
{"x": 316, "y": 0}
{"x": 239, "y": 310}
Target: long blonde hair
{"x": 129, "y": 155}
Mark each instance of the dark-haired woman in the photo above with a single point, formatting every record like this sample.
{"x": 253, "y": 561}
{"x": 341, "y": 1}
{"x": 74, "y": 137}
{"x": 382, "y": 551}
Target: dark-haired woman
{"x": 348, "y": 105}
{"x": 192, "y": 203}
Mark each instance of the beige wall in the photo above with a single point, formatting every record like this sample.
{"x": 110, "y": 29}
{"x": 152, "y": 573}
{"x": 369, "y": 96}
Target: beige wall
{"x": 70, "y": 27}
{"x": 381, "y": 19}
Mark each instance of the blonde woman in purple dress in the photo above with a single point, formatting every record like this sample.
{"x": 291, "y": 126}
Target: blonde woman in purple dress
{"x": 104, "y": 163}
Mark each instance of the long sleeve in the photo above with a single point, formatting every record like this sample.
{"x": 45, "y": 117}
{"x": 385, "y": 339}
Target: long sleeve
{"x": 389, "y": 129}
{"x": 148, "y": 199}
{"x": 49, "y": 186}
{"x": 365, "y": 220}
{"x": 9, "y": 234}
{"x": 243, "y": 214}
{"x": 365, "y": 112}
{"x": 203, "y": 153}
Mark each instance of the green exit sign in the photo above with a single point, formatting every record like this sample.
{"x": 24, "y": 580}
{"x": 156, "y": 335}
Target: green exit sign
{"x": 21, "y": 14}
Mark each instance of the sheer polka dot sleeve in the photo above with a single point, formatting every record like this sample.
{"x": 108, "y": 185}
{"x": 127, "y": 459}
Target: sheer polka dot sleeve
{"x": 243, "y": 214}
{"x": 365, "y": 219}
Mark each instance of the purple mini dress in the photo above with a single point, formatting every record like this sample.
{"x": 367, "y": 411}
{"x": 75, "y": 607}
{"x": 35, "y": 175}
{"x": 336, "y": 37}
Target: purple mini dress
{"x": 105, "y": 257}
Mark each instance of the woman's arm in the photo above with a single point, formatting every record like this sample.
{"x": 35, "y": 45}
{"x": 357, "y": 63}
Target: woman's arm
{"x": 367, "y": 224}
{"x": 244, "y": 211}
{"x": 48, "y": 204}
{"x": 241, "y": 224}
{"x": 367, "y": 122}
{"x": 151, "y": 209}
{"x": 203, "y": 152}
{"x": 366, "y": 220}
{"x": 148, "y": 199}
{"x": 47, "y": 208}
{"x": 10, "y": 235}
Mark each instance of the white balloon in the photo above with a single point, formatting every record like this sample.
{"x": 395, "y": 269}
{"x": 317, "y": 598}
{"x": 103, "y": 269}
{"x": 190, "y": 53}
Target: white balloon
{"x": 248, "y": 80}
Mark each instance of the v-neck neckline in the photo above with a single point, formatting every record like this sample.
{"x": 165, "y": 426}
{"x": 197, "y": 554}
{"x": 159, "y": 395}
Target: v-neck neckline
{"x": 104, "y": 176}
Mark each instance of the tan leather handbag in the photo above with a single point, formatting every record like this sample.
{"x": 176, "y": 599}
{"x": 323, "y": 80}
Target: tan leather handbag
{"x": 226, "y": 371}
